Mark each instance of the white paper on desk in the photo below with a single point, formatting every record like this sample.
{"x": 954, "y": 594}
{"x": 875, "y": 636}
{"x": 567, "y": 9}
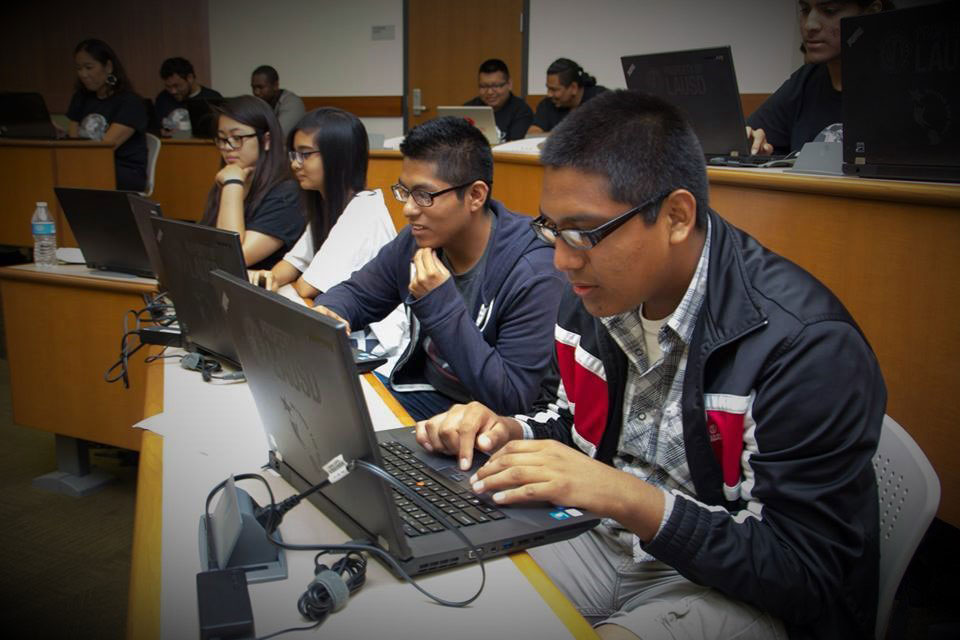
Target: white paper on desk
{"x": 529, "y": 146}
{"x": 70, "y": 255}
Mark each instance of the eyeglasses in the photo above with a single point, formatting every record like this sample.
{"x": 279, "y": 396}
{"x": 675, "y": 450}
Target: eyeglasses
{"x": 584, "y": 239}
{"x": 233, "y": 142}
{"x": 493, "y": 86}
{"x": 301, "y": 156}
{"x": 421, "y": 197}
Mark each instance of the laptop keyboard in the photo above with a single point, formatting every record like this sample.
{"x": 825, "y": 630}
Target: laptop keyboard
{"x": 462, "y": 506}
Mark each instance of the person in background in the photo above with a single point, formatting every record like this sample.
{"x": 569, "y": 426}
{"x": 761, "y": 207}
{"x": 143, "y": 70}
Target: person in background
{"x": 253, "y": 193}
{"x": 478, "y": 287}
{"x": 713, "y": 402}
{"x": 265, "y": 84}
{"x": 180, "y": 84}
{"x": 347, "y": 223}
{"x": 512, "y": 114}
{"x": 809, "y": 101}
{"x": 104, "y": 107}
{"x": 568, "y": 87}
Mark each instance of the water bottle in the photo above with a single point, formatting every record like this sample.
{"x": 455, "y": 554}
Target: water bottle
{"x": 44, "y": 237}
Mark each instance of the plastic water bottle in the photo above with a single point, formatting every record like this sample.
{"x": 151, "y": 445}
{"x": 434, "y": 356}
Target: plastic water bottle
{"x": 44, "y": 237}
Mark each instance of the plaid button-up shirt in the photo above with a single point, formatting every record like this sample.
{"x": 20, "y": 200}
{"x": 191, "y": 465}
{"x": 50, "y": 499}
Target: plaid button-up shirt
{"x": 651, "y": 440}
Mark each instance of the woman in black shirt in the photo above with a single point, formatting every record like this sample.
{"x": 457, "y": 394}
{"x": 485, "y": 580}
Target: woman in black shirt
{"x": 254, "y": 193}
{"x": 104, "y": 107}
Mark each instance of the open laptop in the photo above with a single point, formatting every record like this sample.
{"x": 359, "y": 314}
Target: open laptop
{"x": 203, "y": 116}
{"x": 480, "y": 117}
{"x": 25, "y": 115}
{"x": 901, "y": 93}
{"x": 702, "y": 83}
{"x": 312, "y": 407}
{"x": 105, "y": 229}
{"x": 143, "y": 210}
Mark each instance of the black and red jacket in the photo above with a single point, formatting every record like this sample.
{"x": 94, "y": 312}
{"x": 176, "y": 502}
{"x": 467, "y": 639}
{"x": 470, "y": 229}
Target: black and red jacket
{"x": 782, "y": 405}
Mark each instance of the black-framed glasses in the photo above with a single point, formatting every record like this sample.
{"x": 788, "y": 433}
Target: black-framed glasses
{"x": 420, "y": 196}
{"x": 301, "y": 156}
{"x": 233, "y": 142}
{"x": 584, "y": 239}
{"x": 493, "y": 86}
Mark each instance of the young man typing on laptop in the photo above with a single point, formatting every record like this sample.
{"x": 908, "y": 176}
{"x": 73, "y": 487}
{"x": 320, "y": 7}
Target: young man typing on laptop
{"x": 716, "y": 404}
{"x": 479, "y": 287}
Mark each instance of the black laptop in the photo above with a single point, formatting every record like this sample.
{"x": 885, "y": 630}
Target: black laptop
{"x": 702, "y": 83}
{"x": 901, "y": 93}
{"x": 143, "y": 211}
{"x": 105, "y": 229}
{"x": 203, "y": 116}
{"x": 25, "y": 115}
{"x": 309, "y": 398}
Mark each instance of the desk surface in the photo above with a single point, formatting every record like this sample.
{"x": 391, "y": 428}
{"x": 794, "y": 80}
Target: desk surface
{"x": 212, "y": 430}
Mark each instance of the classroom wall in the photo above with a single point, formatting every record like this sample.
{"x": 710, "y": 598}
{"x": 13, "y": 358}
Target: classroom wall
{"x": 762, "y": 33}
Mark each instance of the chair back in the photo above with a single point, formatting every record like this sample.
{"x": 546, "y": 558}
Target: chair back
{"x": 153, "y": 150}
{"x": 909, "y": 492}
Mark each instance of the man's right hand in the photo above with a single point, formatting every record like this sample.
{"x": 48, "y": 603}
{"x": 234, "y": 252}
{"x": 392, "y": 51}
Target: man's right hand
{"x": 758, "y": 142}
{"x": 330, "y": 314}
{"x": 465, "y": 426}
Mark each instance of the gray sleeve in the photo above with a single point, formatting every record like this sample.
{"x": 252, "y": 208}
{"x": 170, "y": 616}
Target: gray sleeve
{"x": 289, "y": 111}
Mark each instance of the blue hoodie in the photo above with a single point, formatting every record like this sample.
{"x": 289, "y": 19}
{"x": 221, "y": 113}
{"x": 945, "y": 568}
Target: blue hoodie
{"x": 499, "y": 350}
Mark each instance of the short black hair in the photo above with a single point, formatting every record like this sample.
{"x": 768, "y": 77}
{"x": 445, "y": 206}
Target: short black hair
{"x": 494, "y": 65}
{"x": 568, "y": 72}
{"x": 266, "y": 70}
{"x": 179, "y": 66}
{"x": 640, "y": 143}
{"x": 458, "y": 149}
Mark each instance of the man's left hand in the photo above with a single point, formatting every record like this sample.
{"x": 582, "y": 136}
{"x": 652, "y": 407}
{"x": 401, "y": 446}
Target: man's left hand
{"x": 429, "y": 272}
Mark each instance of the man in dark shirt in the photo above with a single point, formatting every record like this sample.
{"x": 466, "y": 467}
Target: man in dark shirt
{"x": 568, "y": 87}
{"x": 512, "y": 114}
{"x": 180, "y": 84}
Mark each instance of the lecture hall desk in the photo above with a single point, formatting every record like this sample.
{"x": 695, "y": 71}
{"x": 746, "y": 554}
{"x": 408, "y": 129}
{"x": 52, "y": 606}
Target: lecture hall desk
{"x": 889, "y": 249}
{"x": 32, "y": 168}
{"x": 183, "y": 177}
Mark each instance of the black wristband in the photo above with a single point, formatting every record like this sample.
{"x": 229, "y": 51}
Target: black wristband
{"x": 231, "y": 181}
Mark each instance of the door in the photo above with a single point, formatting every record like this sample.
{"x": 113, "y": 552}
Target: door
{"x": 446, "y": 43}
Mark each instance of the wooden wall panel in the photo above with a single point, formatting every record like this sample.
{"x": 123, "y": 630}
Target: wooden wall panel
{"x": 40, "y": 37}
{"x": 361, "y": 106}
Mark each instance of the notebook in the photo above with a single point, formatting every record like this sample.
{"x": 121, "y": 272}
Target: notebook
{"x": 105, "y": 229}
{"x": 312, "y": 408}
{"x": 480, "y": 117}
{"x": 702, "y": 83}
{"x": 901, "y": 93}
{"x": 25, "y": 115}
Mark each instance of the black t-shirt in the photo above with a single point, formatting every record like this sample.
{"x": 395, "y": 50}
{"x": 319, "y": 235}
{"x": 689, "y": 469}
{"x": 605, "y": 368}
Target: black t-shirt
{"x": 95, "y": 115}
{"x": 278, "y": 215}
{"x": 164, "y": 103}
{"x": 513, "y": 119}
{"x": 548, "y": 115}
{"x": 801, "y": 108}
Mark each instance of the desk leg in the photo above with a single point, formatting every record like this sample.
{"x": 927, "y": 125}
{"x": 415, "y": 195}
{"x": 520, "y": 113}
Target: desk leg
{"x": 74, "y": 477}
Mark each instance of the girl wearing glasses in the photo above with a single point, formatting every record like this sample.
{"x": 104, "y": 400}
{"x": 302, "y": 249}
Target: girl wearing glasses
{"x": 253, "y": 193}
{"x": 346, "y": 223}
{"x": 104, "y": 107}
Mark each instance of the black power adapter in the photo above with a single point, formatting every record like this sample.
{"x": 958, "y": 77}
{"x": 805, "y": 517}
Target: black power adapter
{"x": 223, "y": 604}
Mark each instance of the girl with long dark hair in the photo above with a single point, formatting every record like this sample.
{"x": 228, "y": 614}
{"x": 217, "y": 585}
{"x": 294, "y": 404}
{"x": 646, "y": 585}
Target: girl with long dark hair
{"x": 105, "y": 107}
{"x": 253, "y": 193}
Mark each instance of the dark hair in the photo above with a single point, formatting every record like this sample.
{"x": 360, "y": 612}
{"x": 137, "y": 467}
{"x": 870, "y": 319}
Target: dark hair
{"x": 568, "y": 71}
{"x": 266, "y": 70}
{"x": 457, "y": 148}
{"x": 494, "y": 65}
{"x": 271, "y": 168}
{"x": 885, "y": 5}
{"x": 641, "y": 144}
{"x": 178, "y": 66}
{"x": 342, "y": 141}
{"x": 102, "y": 53}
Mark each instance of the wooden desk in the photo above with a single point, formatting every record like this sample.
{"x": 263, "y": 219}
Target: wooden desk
{"x": 210, "y": 431}
{"x": 184, "y": 175}
{"x": 32, "y": 168}
{"x": 63, "y": 330}
{"x": 890, "y": 250}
